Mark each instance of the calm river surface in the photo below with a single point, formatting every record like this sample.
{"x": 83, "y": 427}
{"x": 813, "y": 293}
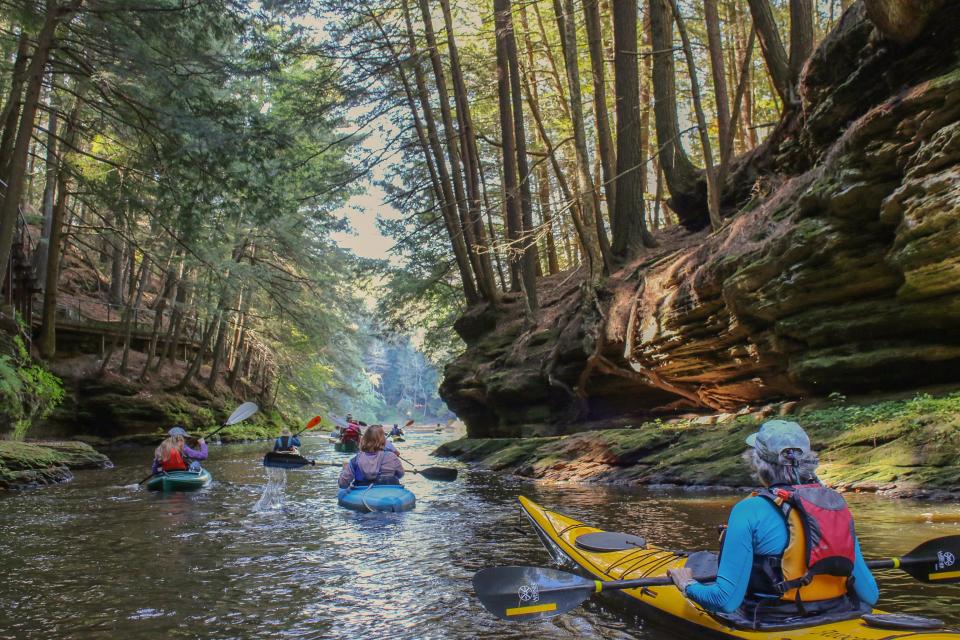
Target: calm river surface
{"x": 97, "y": 559}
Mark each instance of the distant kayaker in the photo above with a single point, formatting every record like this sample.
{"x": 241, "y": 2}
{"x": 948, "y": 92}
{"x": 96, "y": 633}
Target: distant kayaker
{"x": 351, "y": 433}
{"x": 173, "y": 454}
{"x": 286, "y": 442}
{"x": 396, "y": 431}
{"x": 765, "y": 566}
{"x": 373, "y": 465}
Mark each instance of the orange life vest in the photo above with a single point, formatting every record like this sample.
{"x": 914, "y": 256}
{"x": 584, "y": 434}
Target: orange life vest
{"x": 817, "y": 563}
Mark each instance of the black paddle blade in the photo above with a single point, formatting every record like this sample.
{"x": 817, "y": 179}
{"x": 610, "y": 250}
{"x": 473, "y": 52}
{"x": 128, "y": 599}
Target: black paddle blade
{"x": 530, "y": 593}
{"x": 935, "y": 561}
{"x": 281, "y": 460}
{"x": 446, "y": 474}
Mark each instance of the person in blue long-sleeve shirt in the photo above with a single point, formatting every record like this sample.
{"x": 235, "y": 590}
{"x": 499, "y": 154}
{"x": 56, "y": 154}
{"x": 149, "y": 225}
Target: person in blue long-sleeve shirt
{"x": 780, "y": 456}
{"x": 286, "y": 442}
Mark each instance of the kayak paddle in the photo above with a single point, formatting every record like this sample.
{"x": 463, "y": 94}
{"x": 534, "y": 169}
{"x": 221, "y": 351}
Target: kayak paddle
{"x": 280, "y": 460}
{"x": 530, "y": 593}
{"x": 430, "y": 473}
{"x": 239, "y": 414}
{"x": 314, "y": 421}
{"x": 443, "y": 474}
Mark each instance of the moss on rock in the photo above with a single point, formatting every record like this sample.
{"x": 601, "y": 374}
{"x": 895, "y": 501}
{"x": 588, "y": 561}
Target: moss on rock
{"x": 896, "y": 447}
{"x": 26, "y": 464}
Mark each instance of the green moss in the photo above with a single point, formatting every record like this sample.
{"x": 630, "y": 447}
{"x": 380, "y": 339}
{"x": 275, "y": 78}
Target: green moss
{"x": 905, "y": 444}
{"x": 28, "y": 391}
{"x": 29, "y": 463}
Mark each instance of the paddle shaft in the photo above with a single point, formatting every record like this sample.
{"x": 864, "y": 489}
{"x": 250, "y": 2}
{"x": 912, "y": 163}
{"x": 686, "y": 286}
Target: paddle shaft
{"x": 664, "y": 581}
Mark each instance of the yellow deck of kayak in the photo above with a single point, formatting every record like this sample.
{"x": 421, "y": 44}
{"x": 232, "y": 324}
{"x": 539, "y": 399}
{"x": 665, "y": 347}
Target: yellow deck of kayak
{"x": 667, "y": 602}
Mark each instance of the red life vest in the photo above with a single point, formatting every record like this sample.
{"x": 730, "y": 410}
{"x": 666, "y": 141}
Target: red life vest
{"x": 818, "y": 560}
{"x": 174, "y": 462}
{"x": 352, "y": 433}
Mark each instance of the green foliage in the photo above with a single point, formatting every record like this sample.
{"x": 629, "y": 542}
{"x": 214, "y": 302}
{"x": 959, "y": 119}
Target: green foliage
{"x": 28, "y": 391}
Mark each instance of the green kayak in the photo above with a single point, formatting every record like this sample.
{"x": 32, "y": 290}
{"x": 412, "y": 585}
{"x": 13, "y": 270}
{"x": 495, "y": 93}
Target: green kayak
{"x": 180, "y": 481}
{"x": 346, "y": 447}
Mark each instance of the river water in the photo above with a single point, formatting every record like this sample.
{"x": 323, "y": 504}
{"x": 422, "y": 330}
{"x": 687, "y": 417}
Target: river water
{"x": 97, "y": 559}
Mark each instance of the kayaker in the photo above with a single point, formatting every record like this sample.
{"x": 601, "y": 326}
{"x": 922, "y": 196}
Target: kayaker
{"x": 351, "y": 433}
{"x": 286, "y": 442}
{"x": 173, "y": 454}
{"x": 374, "y": 464}
{"x": 764, "y": 566}
{"x": 396, "y": 431}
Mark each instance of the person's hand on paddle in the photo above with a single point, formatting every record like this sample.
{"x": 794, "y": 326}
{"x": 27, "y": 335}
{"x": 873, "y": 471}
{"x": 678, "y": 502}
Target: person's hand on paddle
{"x": 682, "y": 577}
{"x": 201, "y": 442}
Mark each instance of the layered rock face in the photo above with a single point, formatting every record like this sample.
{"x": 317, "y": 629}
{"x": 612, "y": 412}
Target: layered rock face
{"x": 840, "y": 273}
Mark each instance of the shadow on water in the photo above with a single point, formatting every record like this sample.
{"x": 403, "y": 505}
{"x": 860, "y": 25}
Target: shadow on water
{"x": 267, "y": 553}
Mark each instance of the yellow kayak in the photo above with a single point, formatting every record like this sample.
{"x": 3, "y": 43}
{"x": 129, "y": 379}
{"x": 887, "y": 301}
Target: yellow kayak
{"x": 666, "y": 605}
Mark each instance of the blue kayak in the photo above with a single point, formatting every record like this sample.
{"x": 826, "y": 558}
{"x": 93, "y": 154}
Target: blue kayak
{"x": 378, "y": 497}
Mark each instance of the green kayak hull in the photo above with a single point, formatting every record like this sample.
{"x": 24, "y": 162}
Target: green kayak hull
{"x": 346, "y": 447}
{"x": 180, "y": 481}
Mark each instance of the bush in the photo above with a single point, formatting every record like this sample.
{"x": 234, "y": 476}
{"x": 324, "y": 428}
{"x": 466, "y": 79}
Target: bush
{"x": 28, "y": 391}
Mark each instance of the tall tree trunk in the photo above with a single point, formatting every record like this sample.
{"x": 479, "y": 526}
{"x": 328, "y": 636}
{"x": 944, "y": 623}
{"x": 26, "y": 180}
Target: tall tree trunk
{"x": 543, "y": 178}
{"x": 565, "y": 19}
{"x": 771, "y": 45}
{"x": 16, "y": 175}
{"x": 449, "y": 204}
{"x": 175, "y": 330}
{"x": 683, "y": 179}
{"x": 591, "y": 12}
{"x": 453, "y": 148}
{"x": 510, "y": 193}
{"x": 47, "y": 340}
{"x": 801, "y": 37}
{"x": 49, "y": 189}
{"x": 718, "y": 70}
{"x": 713, "y": 194}
{"x": 168, "y": 294}
{"x": 552, "y": 60}
{"x": 11, "y": 109}
{"x": 471, "y": 162}
{"x": 630, "y": 232}
{"x": 133, "y": 314}
{"x": 197, "y": 361}
{"x": 530, "y": 259}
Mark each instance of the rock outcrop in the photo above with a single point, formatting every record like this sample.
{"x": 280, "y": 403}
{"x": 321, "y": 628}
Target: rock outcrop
{"x": 30, "y": 464}
{"x": 841, "y": 273}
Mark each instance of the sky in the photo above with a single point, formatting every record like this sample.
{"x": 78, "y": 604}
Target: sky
{"x": 362, "y": 211}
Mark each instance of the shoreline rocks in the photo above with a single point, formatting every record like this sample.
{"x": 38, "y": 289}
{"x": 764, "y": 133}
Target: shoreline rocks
{"x": 33, "y": 464}
{"x": 895, "y": 448}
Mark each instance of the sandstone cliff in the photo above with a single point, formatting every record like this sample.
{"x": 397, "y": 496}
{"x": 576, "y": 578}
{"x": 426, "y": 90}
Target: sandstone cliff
{"x": 839, "y": 269}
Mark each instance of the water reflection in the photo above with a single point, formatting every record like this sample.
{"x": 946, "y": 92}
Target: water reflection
{"x": 93, "y": 559}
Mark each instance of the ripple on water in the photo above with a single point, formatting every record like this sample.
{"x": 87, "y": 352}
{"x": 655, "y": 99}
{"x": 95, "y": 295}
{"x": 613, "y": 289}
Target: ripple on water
{"x": 95, "y": 559}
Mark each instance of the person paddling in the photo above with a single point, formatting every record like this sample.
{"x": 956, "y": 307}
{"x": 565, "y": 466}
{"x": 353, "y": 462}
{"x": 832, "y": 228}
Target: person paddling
{"x": 173, "y": 454}
{"x": 766, "y": 568}
{"x": 286, "y": 443}
{"x": 373, "y": 465}
{"x": 396, "y": 431}
{"x": 351, "y": 433}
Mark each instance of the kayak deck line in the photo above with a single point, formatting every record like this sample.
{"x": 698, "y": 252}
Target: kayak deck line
{"x": 664, "y": 605}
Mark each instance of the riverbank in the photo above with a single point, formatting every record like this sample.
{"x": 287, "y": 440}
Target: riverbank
{"x": 31, "y": 464}
{"x": 898, "y": 448}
